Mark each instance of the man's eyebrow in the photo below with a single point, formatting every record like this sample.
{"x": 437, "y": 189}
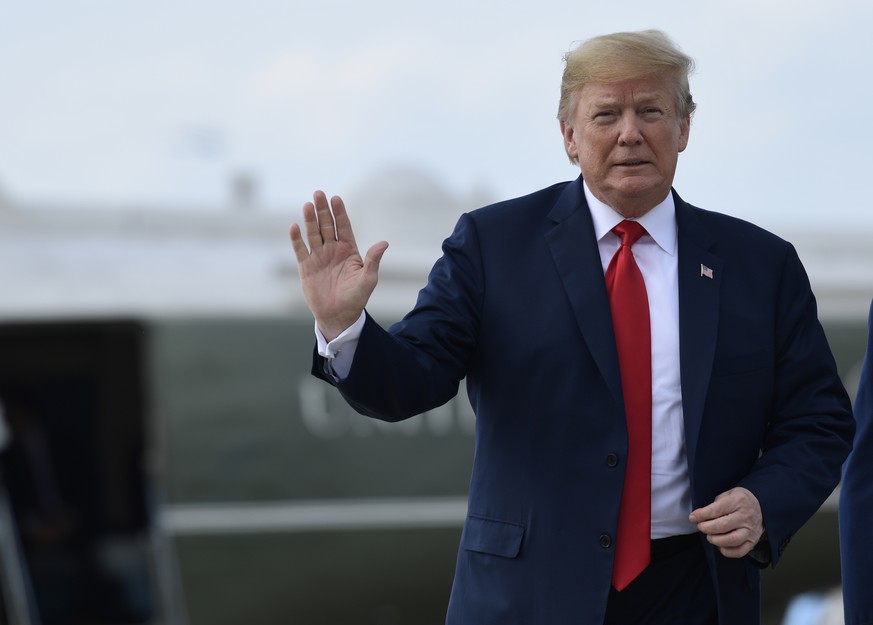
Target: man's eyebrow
{"x": 641, "y": 98}
{"x": 649, "y": 98}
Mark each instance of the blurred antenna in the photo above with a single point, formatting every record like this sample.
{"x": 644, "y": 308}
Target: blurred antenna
{"x": 243, "y": 190}
{"x": 4, "y": 199}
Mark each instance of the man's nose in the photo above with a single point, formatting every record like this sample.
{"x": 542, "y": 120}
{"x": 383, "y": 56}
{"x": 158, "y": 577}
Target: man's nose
{"x": 629, "y": 129}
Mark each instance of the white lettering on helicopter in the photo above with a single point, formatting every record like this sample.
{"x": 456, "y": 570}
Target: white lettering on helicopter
{"x": 326, "y": 415}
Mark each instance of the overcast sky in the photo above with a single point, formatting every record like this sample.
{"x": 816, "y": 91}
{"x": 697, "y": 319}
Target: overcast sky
{"x": 160, "y": 102}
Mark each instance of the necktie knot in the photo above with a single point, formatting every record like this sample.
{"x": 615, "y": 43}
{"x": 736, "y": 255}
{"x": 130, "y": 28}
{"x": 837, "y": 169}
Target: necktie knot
{"x": 629, "y": 231}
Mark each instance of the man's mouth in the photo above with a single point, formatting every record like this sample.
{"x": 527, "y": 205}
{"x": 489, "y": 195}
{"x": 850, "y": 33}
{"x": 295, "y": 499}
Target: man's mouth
{"x": 632, "y": 163}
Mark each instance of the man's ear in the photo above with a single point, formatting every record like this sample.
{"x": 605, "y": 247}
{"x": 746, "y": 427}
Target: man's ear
{"x": 684, "y": 131}
{"x": 569, "y": 140}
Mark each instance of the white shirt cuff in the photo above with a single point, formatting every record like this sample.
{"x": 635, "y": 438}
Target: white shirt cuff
{"x": 341, "y": 351}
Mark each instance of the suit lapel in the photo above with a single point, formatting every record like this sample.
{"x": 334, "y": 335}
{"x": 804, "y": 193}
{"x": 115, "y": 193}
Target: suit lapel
{"x": 574, "y": 249}
{"x": 700, "y": 277}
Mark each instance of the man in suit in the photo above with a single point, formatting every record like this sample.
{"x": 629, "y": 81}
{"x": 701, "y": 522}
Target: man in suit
{"x": 655, "y": 418}
{"x": 856, "y": 503}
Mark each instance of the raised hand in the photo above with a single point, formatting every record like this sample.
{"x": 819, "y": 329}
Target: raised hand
{"x": 336, "y": 281}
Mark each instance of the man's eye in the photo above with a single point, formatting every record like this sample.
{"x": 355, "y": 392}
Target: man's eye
{"x": 652, "y": 111}
{"x": 604, "y": 116}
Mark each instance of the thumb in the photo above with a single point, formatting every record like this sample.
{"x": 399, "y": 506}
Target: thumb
{"x": 374, "y": 257}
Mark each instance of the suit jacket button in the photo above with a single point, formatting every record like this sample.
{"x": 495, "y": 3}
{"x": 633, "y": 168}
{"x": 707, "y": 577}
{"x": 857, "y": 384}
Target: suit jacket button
{"x": 611, "y": 460}
{"x": 605, "y": 541}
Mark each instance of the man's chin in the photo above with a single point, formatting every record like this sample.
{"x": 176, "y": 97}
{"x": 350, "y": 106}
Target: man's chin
{"x": 640, "y": 186}
{"x": 635, "y": 197}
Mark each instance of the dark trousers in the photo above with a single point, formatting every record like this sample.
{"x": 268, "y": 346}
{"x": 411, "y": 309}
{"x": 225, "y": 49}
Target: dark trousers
{"x": 675, "y": 589}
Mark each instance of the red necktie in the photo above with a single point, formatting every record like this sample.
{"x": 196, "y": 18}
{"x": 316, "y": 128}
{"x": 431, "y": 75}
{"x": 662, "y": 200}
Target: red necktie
{"x": 630, "y": 320}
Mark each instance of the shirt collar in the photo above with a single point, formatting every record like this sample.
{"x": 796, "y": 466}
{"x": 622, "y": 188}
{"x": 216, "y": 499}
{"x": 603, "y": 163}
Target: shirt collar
{"x": 660, "y": 222}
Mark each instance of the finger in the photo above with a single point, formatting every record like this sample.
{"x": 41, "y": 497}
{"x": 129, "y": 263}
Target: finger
{"x": 742, "y": 524}
{"x": 342, "y": 221}
{"x": 325, "y": 218}
{"x": 720, "y": 526}
{"x": 716, "y": 523}
{"x": 736, "y": 552}
{"x": 310, "y": 224}
{"x": 733, "y": 545}
{"x": 731, "y": 539}
{"x": 735, "y": 519}
{"x": 300, "y": 249}
{"x": 724, "y": 504}
{"x": 707, "y": 513}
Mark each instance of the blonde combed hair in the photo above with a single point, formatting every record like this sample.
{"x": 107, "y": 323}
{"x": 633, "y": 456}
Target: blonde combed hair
{"x": 626, "y": 56}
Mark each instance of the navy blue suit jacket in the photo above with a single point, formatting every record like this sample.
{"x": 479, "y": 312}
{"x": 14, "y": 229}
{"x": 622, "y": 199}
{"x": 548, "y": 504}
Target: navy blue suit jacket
{"x": 517, "y": 305}
{"x": 856, "y": 503}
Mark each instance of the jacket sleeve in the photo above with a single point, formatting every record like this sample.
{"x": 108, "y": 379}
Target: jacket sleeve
{"x": 417, "y": 364}
{"x": 810, "y": 428}
{"x": 856, "y": 503}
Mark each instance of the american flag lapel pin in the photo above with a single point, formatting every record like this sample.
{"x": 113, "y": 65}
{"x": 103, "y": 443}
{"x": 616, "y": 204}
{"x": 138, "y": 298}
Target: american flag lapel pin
{"x": 705, "y": 272}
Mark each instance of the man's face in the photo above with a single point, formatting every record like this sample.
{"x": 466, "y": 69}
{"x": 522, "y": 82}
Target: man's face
{"x": 627, "y": 137}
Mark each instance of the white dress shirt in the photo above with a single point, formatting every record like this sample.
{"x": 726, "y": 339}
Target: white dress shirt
{"x": 656, "y": 255}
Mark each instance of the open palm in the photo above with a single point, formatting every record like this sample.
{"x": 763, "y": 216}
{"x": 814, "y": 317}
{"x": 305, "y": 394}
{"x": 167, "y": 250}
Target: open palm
{"x": 337, "y": 282}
